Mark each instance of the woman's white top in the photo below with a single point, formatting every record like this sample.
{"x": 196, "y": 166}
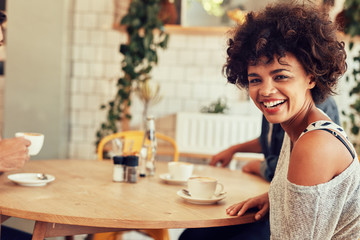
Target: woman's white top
{"x": 326, "y": 211}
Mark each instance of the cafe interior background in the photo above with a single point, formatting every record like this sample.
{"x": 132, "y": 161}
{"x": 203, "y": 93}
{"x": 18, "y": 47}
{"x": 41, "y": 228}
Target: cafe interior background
{"x": 62, "y": 63}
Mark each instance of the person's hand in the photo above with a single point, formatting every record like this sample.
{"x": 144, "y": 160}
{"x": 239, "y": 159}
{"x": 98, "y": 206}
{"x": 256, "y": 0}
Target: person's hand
{"x": 223, "y": 157}
{"x": 252, "y": 167}
{"x": 13, "y": 153}
{"x": 261, "y": 202}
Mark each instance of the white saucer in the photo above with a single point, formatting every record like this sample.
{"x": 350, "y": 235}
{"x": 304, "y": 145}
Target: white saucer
{"x": 30, "y": 179}
{"x": 167, "y": 178}
{"x": 190, "y": 199}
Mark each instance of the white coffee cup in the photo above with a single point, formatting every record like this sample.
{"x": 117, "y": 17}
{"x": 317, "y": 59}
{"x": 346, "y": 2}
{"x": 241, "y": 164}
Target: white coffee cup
{"x": 180, "y": 170}
{"x": 36, "y": 139}
{"x": 204, "y": 187}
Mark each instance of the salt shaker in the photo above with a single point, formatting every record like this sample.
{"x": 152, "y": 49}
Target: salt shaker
{"x": 132, "y": 162}
{"x": 118, "y": 172}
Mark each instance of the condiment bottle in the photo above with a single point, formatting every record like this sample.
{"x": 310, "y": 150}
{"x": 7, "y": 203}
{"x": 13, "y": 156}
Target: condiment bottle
{"x": 118, "y": 172}
{"x": 148, "y": 149}
{"x": 132, "y": 163}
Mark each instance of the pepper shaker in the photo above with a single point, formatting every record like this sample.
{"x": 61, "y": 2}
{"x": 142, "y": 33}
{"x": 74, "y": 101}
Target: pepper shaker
{"x": 132, "y": 162}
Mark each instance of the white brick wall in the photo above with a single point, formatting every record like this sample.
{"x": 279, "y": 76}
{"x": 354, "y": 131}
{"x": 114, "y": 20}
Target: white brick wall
{"x": 189, "y": 73}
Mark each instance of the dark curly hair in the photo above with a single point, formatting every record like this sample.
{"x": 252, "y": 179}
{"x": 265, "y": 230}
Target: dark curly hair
{"x": 303, "y": 30}
{"x": 2, "y": 17}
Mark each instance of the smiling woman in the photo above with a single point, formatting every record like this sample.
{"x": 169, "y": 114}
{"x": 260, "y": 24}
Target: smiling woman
{"x": 289, "y": 59}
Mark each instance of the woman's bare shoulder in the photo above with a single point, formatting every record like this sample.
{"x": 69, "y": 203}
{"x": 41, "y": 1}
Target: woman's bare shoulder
{"x": 316, "y": 158}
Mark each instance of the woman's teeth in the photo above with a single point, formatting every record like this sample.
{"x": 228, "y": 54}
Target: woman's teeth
{"x": 273, "y": 103}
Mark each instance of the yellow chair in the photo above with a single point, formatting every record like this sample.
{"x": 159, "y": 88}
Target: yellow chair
{"x": 137, "y": 138}
{"x": 135, "y": 146}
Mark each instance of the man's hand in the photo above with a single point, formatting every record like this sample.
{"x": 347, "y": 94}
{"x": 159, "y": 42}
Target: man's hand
{"x": 13, "y": 153}
{"x": 223, "y": 157}
{"x": 252, "y": 167}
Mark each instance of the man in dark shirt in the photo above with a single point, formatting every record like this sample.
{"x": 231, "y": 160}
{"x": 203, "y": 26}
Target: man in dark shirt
{"x": 269, "y": 145}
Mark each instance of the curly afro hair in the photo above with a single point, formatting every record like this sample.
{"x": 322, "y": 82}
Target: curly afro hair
{"x": 303, "y": 30}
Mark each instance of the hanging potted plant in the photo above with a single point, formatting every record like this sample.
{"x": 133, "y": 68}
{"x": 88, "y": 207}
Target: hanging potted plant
{"x": 145, "y": 36}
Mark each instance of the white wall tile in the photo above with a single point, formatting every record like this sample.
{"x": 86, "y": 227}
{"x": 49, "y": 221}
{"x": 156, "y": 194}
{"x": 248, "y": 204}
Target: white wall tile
{"x": 112, "y": 38}
{"x": 81, "y": 6}
{"x": 212, "y": 42}
{"x": 96, "y": 70}
{"x": 97, "y": 37}
{"x": 187, "y": 58}
{"x": 111, "y": 70}
{"x": 78, "y": 102}
{"x": 97, "y": 6}
{"x": 202, "y": 57}
{"x": 192, "y": 105}
{"x": 78, "y": 21}
{"x": 174, "y": 105}
{"x": 168, "y": 58}
{"x": 87, "y": 52}
{"x": 183, "y": 91}
{"x": 177, "y": 41}
{"x": 90, "y": 21}
{"x": 81, "y": 36}
{"x": 77, "y": 134}
{"x": 200, "y": 91}
{"x": 177, "y": 73}
{"x": 195, "y": 42}
{"x": 76, "y": 53}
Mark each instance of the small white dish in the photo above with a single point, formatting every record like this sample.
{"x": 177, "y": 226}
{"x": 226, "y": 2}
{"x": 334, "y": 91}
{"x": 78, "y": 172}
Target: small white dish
{"x": 212, "y": 200}
{"x": 30, "y": 179}
{"x": 166, "y": 177}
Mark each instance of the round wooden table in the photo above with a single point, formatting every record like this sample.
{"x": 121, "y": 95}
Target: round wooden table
{"x": 84, "y": 199}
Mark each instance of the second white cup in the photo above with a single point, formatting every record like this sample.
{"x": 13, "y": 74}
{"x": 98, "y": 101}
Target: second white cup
{"x": 180, "y": 170}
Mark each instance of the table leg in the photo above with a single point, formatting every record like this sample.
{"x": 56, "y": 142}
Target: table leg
{"x": 39, "y": 230}
{"x": 3, "y": 218}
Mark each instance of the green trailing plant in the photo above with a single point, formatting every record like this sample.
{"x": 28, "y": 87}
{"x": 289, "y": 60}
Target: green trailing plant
{"x": 145, "y": 36}
{"x": 350, "y": 19}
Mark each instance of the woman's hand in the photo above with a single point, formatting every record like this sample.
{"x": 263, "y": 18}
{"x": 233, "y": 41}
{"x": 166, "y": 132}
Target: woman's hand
{"x": 13, "y": 153}
{"x": 261, "y": 202}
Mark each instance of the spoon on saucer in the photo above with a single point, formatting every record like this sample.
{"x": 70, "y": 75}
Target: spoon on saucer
{"x": 41, "y": 176}
{"x": 187, "y": 193}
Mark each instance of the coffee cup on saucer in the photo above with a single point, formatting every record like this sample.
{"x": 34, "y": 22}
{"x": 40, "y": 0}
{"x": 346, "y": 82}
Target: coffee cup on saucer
{"x": 204, "y": 187}
{"x": 180, "y": 170}
{"x": 36, "y": 139}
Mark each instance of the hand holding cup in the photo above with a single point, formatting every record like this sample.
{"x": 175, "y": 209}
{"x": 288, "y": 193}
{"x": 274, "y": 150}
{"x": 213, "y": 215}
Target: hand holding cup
{"x": 36, "y": 139}
{"x": 13, "y": 153}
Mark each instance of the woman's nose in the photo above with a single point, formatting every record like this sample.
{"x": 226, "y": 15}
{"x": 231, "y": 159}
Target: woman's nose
{"x": 267, "y": 88}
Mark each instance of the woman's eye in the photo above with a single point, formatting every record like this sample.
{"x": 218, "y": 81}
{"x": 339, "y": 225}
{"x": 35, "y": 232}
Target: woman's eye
{"x": 254, "y": 80}
{"x": 280, "y": 77}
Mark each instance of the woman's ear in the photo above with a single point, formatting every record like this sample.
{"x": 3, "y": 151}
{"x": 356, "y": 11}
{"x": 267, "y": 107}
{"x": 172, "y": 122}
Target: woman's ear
{"x": 312, "y": 82}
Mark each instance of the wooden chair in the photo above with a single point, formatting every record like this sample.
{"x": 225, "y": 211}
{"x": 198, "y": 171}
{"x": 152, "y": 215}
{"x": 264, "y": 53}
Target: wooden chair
{"x": 164, "y": 143}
